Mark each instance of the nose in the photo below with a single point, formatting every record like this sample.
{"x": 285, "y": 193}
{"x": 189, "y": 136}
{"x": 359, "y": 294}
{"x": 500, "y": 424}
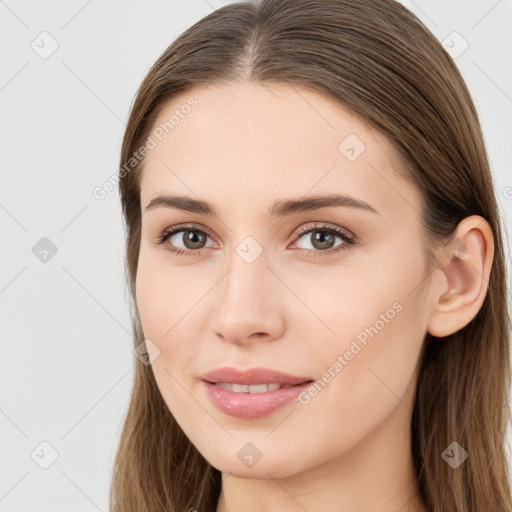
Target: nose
{"x": 249, "y": 308}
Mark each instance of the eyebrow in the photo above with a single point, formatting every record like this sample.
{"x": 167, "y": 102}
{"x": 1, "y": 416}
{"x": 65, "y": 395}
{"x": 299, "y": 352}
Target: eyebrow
{"x": 280, "y": 208}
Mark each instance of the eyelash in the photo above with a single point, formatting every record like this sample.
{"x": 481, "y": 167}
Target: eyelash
{"x": 341, "y": 233}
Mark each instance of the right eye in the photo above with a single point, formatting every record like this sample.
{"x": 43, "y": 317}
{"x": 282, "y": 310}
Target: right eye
{"x": 191, "y": 237}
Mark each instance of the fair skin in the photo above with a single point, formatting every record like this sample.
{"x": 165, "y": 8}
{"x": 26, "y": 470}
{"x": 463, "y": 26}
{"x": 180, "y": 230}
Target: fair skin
{"x": 243, "y": 147}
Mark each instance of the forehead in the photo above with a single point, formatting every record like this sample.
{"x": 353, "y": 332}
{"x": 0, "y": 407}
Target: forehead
{"x": 248, "y": 140}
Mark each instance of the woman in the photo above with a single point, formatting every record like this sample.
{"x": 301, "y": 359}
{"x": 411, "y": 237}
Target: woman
{"x": 316, "y": 265}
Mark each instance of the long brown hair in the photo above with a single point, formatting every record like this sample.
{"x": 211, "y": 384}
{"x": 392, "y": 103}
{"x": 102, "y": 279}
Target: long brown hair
{"x": 378, "y": 59}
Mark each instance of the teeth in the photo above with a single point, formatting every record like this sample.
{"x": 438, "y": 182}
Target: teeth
{"x": 224, "y": 385}
{"x": 256, "y": 388}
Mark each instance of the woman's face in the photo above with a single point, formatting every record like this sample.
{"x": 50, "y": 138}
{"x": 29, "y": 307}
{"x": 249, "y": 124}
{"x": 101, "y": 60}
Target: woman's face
{"x": 265, "y": 284}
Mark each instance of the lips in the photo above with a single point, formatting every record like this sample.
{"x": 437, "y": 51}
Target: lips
{"x": 254, "y": 393}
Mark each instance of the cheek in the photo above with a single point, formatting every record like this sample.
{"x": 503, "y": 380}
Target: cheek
{"x": 380, "y": 326}
{"x": 165, "y": 306}
{"x": 377, "y": 378}
{"x": 367, "y": 289}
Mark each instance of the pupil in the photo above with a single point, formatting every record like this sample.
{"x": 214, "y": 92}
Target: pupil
{"x": 193, "y": 239}
{"x": 326, "y": 240}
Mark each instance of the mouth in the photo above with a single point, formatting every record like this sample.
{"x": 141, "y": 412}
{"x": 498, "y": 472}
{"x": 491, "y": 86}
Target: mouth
{"x": 254, "y": 393}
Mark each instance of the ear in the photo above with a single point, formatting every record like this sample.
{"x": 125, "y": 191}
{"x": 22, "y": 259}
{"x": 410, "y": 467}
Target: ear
{"x": 465, "y": 270}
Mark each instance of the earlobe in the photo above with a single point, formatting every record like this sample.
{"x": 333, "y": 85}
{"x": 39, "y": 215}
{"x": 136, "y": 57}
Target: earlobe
{"x": 465, "y": 269}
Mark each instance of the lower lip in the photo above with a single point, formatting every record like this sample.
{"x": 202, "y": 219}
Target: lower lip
{"x": 252, "y": 405}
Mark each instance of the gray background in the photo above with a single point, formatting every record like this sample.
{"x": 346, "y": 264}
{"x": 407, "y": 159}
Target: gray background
{"x": 67, "y": 366}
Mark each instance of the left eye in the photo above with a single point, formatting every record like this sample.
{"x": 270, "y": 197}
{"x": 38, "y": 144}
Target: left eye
{"x": 322, "y": 239}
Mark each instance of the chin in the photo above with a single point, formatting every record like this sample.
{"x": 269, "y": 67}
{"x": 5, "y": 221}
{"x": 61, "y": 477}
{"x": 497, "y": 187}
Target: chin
{"x": 267, "y": 466}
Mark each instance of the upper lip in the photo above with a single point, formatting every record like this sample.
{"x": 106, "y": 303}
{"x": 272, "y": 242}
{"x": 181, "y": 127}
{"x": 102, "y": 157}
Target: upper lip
{"x": 252, "y": 376}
